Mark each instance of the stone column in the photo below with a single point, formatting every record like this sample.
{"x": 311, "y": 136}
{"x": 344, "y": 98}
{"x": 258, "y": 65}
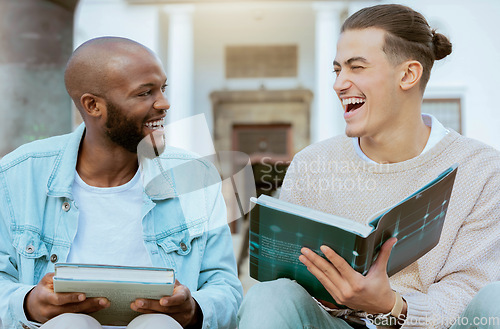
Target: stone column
{"x": 180, "y": 67}
{"x": 327, "y": 116}
{"x": 35, "y": 43}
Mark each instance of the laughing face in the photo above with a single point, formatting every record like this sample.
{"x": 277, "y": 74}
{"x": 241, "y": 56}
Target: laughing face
{"x": 367, "y": 83}
{"x": 135, "y": 104}
{"x": 123, "y": 131}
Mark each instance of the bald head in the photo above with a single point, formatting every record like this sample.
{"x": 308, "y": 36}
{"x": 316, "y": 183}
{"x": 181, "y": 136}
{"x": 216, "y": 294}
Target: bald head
{"x": 93, "y": 65}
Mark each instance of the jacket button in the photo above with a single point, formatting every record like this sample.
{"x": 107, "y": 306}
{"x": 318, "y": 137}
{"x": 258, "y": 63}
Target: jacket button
{"x": 53, "y": 258}
{"x": 183, "y": 246}
{"x": 30, "y": 249}
{"x": 66, "y": 206}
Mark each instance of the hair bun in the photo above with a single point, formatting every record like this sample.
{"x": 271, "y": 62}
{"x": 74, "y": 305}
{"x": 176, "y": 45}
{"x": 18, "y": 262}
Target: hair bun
{"x": 442, "y": 45}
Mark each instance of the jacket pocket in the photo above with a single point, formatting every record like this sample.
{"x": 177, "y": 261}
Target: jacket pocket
{"x": 30, "y": 245}
{"x": 33, "y": 255}
{"x": 181, "y": 242}
{"x": 183, "y": 249}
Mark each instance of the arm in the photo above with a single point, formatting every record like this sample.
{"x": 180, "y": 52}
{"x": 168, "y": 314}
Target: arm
{"x": 219, "y": 294}
{"x": 219, "y": 286}
{"x": 20, "y": 300}
{"x": 472, "y": 262}
{"x": 12, "y": 292}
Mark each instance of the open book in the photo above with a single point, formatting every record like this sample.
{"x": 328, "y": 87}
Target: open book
{"x": 279, "y": 229}
{"x": 121, "y": 285}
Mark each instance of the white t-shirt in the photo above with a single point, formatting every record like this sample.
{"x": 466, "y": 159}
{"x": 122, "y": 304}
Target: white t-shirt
{"x": 438, "y": 131}
{"x": 109, "y": 225}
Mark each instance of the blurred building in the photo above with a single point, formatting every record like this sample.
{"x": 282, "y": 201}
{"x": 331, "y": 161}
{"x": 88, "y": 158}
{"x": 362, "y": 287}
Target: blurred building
{"x": 36, "y": 40}
{"x": 260, "y": 71}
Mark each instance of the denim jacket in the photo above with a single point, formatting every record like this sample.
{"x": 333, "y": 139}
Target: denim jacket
{"x": 184, "y": 225}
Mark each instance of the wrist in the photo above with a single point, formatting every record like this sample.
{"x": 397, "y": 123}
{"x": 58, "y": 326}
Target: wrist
{"x": 396, "y": 316}
{"x": 398, "y": 305}
{"x": 404, "y": 312}
{"x": 26, "y": 307}
{"x": 197, "y": 319}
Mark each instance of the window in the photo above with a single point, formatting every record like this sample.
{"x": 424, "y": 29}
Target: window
{"x": 447, "y": 110}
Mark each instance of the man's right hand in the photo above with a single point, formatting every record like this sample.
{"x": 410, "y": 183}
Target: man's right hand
{"x": 42, "y": 303}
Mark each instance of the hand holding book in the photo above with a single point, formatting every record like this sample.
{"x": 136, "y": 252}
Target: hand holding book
{"x": 42, "y": 303}
{"x": 279, "y": 230}
{"x": 130, "y": 290}
{"x": 181, "y": 306}
{"x": 371, "y": 293}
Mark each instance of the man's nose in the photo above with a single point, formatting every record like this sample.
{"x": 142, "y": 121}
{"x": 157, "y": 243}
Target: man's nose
{"x": 162, "y": 103}
{"x": 342, "y": 83}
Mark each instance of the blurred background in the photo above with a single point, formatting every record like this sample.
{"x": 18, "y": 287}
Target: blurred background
{"x": 259, "y": 71}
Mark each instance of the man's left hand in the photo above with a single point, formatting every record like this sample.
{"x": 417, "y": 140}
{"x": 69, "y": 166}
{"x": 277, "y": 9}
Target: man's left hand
{"x": 181, "y": 306}
{"x": 371, "y": 293}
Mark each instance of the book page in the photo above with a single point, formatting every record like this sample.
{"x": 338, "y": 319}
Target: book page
{"x": 345, "y": 224}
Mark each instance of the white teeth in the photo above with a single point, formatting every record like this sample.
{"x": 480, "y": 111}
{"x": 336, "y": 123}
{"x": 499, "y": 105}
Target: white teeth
{"x": 155, "y": 124}
{"x": 353, "y": 100}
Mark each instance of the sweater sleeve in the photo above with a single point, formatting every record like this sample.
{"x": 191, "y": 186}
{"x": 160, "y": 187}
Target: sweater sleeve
{"x": 287, "y": 189}
{"x": 472, "y": 262}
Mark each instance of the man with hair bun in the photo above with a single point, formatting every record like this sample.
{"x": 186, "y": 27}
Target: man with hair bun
{"x": 385, "y": 54}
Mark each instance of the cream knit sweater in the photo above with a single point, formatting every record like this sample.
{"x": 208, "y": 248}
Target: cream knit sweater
{"x": 329, "y": 176}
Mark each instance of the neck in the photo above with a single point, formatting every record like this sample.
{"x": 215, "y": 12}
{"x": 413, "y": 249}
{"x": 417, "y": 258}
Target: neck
{"x": 104, "y": 166}
{"x": 406, "y": 141}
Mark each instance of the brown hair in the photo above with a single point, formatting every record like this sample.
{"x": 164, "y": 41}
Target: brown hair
{"x": 408, "y": 36}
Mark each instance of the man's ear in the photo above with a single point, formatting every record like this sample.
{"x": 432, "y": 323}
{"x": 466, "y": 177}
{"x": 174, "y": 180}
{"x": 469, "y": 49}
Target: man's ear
{"x": 92, "y": 105}
{"x": 411, "y": 73}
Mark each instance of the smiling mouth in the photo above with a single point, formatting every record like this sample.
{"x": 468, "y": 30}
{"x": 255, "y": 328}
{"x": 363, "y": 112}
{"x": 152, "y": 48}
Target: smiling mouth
{"x": 352, "y": 104}
{"x": 155, "y": 125}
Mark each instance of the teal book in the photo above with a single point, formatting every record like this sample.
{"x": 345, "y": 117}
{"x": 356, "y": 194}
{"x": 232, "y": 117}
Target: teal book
{"x": 279, "y": 229}
{"x": 121, "y": 285}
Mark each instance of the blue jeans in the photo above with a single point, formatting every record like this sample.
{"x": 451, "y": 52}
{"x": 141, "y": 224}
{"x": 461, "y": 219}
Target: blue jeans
{"x": 84, "y": 321}
{"x": 285, "y": 304}
{"x": 483, "y": 311}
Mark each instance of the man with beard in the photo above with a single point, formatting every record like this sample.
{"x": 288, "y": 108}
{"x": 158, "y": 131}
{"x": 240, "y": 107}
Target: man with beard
{"x": 79, "y": 198}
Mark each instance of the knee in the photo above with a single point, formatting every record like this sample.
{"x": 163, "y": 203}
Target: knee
{"x": 279, "y": 304}
{"x": 73, "y": 320}
{"x": 281, "y": 293}
{"x": 281, "y": 289}
{"x": 487, "y": 300}
{"x": 154, "y": 321}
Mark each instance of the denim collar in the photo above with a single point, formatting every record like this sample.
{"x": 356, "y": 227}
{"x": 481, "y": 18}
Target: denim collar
{"x": 62, "y": 177}
{"x": 61, "y": 180}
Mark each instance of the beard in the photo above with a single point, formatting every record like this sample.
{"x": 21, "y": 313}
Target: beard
{"x": 121, "y": 130}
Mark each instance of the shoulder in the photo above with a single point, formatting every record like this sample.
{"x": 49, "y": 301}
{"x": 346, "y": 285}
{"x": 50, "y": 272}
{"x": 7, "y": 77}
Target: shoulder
{"x": 328, "y": 147}
{"x": 173, "y": 156}
{"x": 40, "y": 149}
{"x": 476, "y": 153}
{"x": 478, "y": 168}
{"x": 171, "y": 152}
{"x": 180, "y": 172}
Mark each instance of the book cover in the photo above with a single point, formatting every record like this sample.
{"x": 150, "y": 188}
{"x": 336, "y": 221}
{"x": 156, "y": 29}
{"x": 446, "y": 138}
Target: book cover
{"x": 121, "y": 285}
{"x": 279, "y": 229}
